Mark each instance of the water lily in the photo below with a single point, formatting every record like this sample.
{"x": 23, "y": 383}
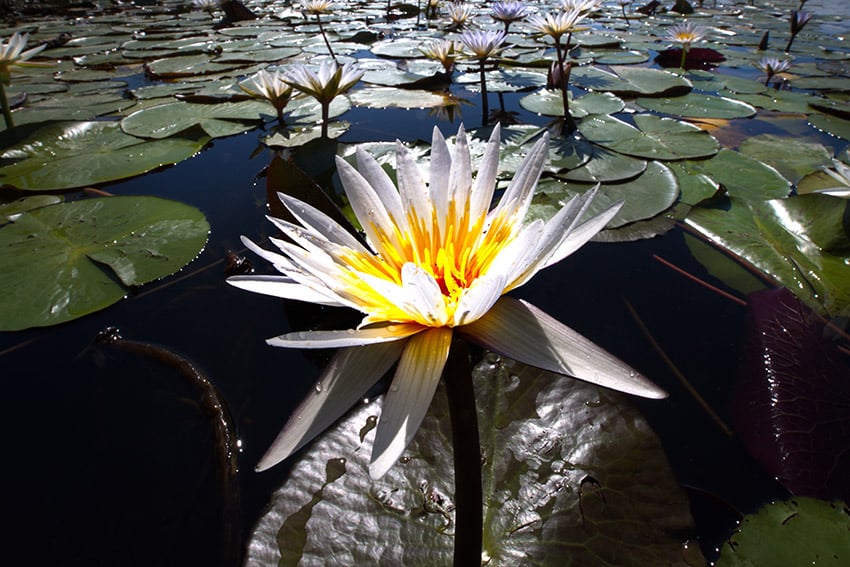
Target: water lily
{"x": 483, "y": 45}
{"x": 584, "y": 7}
{"x": 208, "y": 5}
{"x": 799, "y": 19}
{"x": 508, "y": 12}
{"x": 445, "y": 51}
{"x": 330, "y": 82}
{"x": 771, "y": 66}
{"x": 685, "y": 35}
{"x": 12, "y": 54}
{"x": 317, "y": 8}
{"x": 270, "y": 87}
{"x": 459, "y": 13}
{"x": 438, "y": 264}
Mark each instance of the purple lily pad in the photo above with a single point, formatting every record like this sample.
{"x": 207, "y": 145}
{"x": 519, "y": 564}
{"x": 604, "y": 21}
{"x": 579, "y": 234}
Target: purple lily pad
{"x": 792, "y": 406}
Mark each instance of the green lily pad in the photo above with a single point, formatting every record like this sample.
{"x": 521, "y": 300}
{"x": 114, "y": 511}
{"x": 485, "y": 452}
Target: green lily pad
{"x": 697, "y": 105}
{"x": 800, "y": 531}
{"x": 800, "y": 242}
{"x": 217, "y": 120}
{"x": 605, "y": 166}
{"x": 630, "y": 81}
{"x": 10, "y": 211}
{"x": 651, "y": 193}
{"x": 782, "y": 101}
{"x": 389, "y": 97}
{"x": 695, "y": 187}
{"x": 187, "y": 66}
{"x": 549, "y": 102}
{"x": 657, "y": 138}
{"x": 66, "y": 155}
{"x": 571, "y": 475}
{"x": 741, "y": 176}
{"x": 794, "y": 159}
{"x": 68, "y": 260}
{"x": 295, "y": 136}
{"x": 831, "y": 124}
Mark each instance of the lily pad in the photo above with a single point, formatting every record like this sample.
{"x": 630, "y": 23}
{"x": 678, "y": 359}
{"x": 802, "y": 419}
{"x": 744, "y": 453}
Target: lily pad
{"x": 68, "y": 260}
{"x": 605, "y": 166}
{"x": 794, "y": 159}
{"x": 572, "y": 475}
{"x": 657, "y": 138}
{"x": 630, "y": 81}
{"x": 549, "y": 102}
{"x": 217, "y": 120}
{"x": 697, "y": 105}
{"x": 800, "y": 242}
{"x": 66, "y": 155}
{"x": 782, "y": 101}
{"x": 831, "y": 124}
{"x": 742, "y": 176}
{"x": 389, "y": 97}
{"x": 800, "y": 531}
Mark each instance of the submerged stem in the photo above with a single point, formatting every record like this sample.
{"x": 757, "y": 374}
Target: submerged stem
{"x": 457, "y": 377}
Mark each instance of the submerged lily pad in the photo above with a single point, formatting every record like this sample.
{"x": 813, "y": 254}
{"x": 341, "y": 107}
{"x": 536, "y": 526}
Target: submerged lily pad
{"x": 64, "y": 261}
{"x": 572, "y": 475}
{"x": 66, "y": 155}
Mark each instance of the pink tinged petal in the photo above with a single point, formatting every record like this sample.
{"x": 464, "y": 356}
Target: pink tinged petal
{"x": 518, "y": 195}
{"x": 348, "y": 376}
{"x": 460, "y": 175}
{"x": 284, "y": 287}
{"x": 438, "y": 183}
{"x": 409, "y": 396}
{"x": 579, "y": 236}
{"x": 367, "y": 206}
{"x": 380, "y": 333}
{"x": 478, "y": 298}
{"x": 485, "y": 179}
{"x": 520, "y": 331}
{"x": 319, "y": 223}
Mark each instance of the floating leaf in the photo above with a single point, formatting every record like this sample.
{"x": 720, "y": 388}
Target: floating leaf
{"x": 630, "y": 81}
{"x": 742, "y": 176}
{"x": 800, "y": 531}
{"x": 800, "y": 242}
{"x": 217, "y": 120}
{"x": 794, "y": 159}
{"x": 695, "y": 187}
{"x": 389, "y": 97}
{"x": 658, "y": 138}
{"x": 572, "y": 475}
{"x": 605, "y": 166}
{"x": 831, "y": 124}
{"x": 549, "y": 102}
{"x": 697, "y": 105}
{"x": 64, "y": 261}
{"x": 66, "y": 155}
{"x": 782, "y": 101}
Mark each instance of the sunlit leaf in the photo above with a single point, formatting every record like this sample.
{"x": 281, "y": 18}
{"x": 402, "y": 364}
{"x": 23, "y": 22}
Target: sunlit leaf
{"x": 698, "y": 105}
{"x": 742, "y": 176}
{"x": 792, "y": 158}
{"x": 571, "y": 475}
{"x": 656, "y": 138}
{"x": 634, "y": 81}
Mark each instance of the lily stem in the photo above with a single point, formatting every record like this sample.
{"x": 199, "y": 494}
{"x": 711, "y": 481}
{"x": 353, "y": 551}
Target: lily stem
{"x": 457, "y": 377}
{"x": 4, "y": 102}
{"x": 485, "y": 107}
{"x": 325, "y": 37}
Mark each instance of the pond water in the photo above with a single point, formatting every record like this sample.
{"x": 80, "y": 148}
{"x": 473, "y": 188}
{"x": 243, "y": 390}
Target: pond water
{"x": 109, "y": 456}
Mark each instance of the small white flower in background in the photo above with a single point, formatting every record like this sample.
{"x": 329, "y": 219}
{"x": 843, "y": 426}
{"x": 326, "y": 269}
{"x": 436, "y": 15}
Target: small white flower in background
{"x": 208, "y": 5}
{"x": 771, "y": 66}
{"x": 325, "y": 85}
{"x": 443, "y": 50}
{"x": 459, "y": 13}
{"x": 840, "y": 174}
{"x": 686, "y": 34}
{"x": 584, "y": 7}
{"x": 483, "y": 44}
{"x": 557, "y": 24}
{"x": 509, "y": 11}
{"x": 318, "y": 6}
{"x": 12, "y": 54}
{"x": 439, "y": 262}
{"x": 270, "y": 87}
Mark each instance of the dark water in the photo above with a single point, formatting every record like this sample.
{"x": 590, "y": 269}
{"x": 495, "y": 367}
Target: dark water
{"x": 109, "y": 456}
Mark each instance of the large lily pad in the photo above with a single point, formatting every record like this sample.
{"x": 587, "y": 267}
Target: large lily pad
{"x": 549, "y": 102}
{"x": 64, "y": 261}
{"x": 572, "y": 475}
{"x": 657, "y": 138}
{"x": 794, "y": 159}
{"x": 742, "y": 176}
{"x": 66, "y": 155}
{"x": 217, "y": 120}
{"x": 801, "y": 531}
{"x": 630, "y": 81}
{"x": 800, "y": 242}
{"x": 698, "y": 105}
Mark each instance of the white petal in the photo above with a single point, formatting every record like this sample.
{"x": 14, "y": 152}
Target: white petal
{"x": 438, "y": 183}
{"x": 460, "y": 175}
{"x": 520, "y": 331}
{"x": 485, "y": 179}
{"x": 520, "y": 191}
{"x": 349, "y": 337}
{"x": 579, "y": 236}
{"x": 424, "y": 294}
{"x": 375, "y": 175}
{"x": 279, "y": 261}
{"x": 478, "y": 298}
{"x": 409, "y": 396}
{"x": 318, "y": 222}
{"x": 414, "y": 194}
{"x": 282, "y": 286}
{"x": 350, "y": 373}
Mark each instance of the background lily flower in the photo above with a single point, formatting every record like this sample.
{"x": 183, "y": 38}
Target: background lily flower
{"x": 459, "y": 14}
{"x": 445, "y": 51}
{"x": 685, "y": 35}
{"x": 799, "y": 19}
{"x": 508, "y": 12}
{"x": 555, "y": 25}
{"x": 483, "y": 44}
{"x": 439, "y": 263}
{"x": 330, "y": 82}
{"x": 583, "y": 7}
{"x": 270, "y": 87}
{"x": 12, "y": 54}
{"x": 771, "y": 66}
{"x": 841, "y": 174}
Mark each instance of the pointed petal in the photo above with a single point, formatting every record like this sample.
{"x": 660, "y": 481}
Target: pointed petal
{"x": 367, "y": 206}
{"x": 518, "y": 195}
{"x": 347, "y": 338}
{"x": 279, "y": 261}
{"x": 409, "y": 396}
{"x": 520, "y": 331}
{"x": 438, "y": 183}
{"x": 350, "y": 373}
{"x": 375, "y": 175}
{"x": 485, "y": 179}
{"x": 284, "y": 287}
{"x": 414, "y": 194}
{"x": 318, "y": 222}
{"x": 478, "y": 298}
{"x": 460, "y": 175}
{"x": 581, "y": 234}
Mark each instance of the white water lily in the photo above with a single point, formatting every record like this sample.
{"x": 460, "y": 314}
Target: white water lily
{"x": 438, "y": 264}
{"x": 841, "y": 174}
{"x": 12, "y": 54}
